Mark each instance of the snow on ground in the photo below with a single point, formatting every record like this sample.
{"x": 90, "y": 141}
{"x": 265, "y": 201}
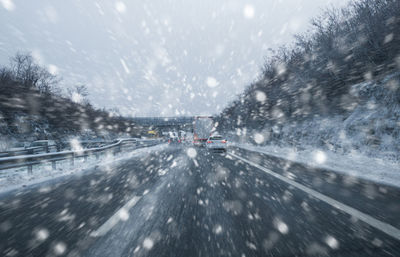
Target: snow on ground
{"x": 353, "y": 164}
{"x": 11, "y": 179}
{"x": 369, "y": 126}
{"x": 363, "y": 142}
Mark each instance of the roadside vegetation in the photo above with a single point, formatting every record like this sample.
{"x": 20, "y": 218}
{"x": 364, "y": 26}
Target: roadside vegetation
{"x": 33, "y": 106}
{"x": 329, "y": 84}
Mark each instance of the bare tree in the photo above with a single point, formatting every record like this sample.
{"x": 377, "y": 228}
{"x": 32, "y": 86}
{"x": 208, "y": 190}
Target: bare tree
{"x": 79, "y": 93}
{"x": 32, "y": 75}
{"x": 314, "y": 76}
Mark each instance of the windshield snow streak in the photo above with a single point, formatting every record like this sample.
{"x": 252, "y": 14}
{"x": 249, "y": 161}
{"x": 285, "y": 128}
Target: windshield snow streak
{"x": 200, "y": 128}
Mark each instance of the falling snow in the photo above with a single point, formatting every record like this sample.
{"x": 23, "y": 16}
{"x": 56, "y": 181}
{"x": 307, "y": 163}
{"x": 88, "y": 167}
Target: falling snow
{"x": 148, "y": 243}
{"x": 248, "y": 11}
{"x": 8, "y": 5}
{"x": 120, "y": 6}
{"x": 212, "y": 82}
{"x": 199, "y": 128}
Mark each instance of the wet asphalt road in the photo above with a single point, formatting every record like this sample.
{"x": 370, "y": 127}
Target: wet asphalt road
{"x": 165, "y": 203}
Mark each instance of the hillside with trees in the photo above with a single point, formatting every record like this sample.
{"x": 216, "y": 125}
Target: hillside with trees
{"x": 33, "y": 106}
{"x": 336, "y": 87}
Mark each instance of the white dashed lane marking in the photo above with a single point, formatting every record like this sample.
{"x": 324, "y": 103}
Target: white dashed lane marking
{"x": 121, "y": 215}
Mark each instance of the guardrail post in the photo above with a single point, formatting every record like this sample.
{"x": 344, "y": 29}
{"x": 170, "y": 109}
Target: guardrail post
{"x": 30, "y": 169}
{"x": 85, "y": 157}
{"x": 97, "y": 156}
{"x": 72, "y": 160}
{"x": 53, "y": 165}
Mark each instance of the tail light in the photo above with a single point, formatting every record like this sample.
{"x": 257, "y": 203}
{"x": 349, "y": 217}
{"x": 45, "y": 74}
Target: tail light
{"x": 209, "y": 142}
{"x": 223, "y": 141}
{"x": 169, "y": 140}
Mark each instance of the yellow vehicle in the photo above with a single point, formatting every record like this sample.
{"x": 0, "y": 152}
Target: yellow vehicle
{"x": 152, "y": 134}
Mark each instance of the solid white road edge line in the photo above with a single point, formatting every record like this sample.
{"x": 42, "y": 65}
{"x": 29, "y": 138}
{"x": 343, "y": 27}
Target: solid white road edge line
{"x": 384, "y": 227}
{"x": 121, "y": 214}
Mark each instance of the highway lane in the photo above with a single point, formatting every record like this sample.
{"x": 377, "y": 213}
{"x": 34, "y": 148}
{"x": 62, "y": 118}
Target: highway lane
{"x": 378, "y": 200}
{"x": 52, "y": 218}
{"x": 169, "y": 204}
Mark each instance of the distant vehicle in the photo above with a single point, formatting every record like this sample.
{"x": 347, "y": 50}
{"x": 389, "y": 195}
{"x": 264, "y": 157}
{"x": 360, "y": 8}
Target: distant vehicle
{"x": 202, "y": 128}
{"x": 182, "y": 136}
{"x": 216, "y": 143}
{"x": 188, "y": 138}
{"x": 185, "y": 137}
{"x": 49, "y": 146}
{"x": 173, "y": 138}
{"x": 152, "y": 134}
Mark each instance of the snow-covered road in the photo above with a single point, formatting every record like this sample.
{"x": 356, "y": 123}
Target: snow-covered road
{"x": 175, "y": 202}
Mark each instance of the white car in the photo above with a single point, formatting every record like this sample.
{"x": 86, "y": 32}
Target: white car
{"x": 216, "y": 143}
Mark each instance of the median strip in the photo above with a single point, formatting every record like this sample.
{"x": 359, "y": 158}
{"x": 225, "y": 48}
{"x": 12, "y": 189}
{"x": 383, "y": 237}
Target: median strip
{"x": 384, "y": 227}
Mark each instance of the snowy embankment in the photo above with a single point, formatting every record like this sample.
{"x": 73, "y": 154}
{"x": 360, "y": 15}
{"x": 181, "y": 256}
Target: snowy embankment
{"x": 370, "y": 126}
{"x": 11, "y": 179}
{"x": 355, "y": 165}
{"x": 363, "y": 142}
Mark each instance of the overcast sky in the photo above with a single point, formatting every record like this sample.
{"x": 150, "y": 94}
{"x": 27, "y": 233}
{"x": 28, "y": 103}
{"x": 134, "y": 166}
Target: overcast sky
{"x": 156, "y": 57}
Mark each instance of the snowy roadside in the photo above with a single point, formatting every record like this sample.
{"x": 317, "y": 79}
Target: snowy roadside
{"x": 15, "y": 178}
{"x": 377, "y": 170}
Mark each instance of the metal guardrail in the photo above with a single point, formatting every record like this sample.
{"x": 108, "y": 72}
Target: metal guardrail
{"x": 39, "y": 149}
{"x": 33, "y": 159}
{"x": 28, "y": 150}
